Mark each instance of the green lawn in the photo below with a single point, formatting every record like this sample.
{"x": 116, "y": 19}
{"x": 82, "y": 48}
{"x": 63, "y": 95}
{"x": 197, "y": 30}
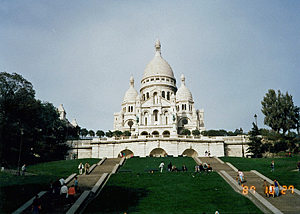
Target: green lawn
{"x": 284, "y": 168}
{"x": 168, "y": 192}
{"x": 16, "y": 190}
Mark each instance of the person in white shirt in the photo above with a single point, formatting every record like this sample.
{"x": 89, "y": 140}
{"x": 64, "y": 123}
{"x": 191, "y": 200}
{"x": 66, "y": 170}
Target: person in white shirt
{"x": 161, "y": 166}
{"x": 62, "y": 181}
{"x": 63, "y": 193}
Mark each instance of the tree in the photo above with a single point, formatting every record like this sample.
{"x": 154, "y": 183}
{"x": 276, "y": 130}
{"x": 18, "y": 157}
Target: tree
{"x": 186, "y": 132}
{"x": 255, "y": 145}
{"x": 91, "y": 133}
{"x": 109, "y": 133}
{"x": 84, "y": 132}
{"x": 196, "y": 132}
{"x": 100, "y": 133}
{"x": 117, "y": 133}
{"x": 29, "y": 129}
{"x": 280, "y": 112}
{"x": 127, "y": 133}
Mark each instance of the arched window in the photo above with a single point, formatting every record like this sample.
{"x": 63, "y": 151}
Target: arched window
{"x": 128, "y": 108}
{"x": 147, "y": 95}
{"x": 131, "y": 108}
{"x": 168, "y": 95}
{"x": 163, "y": 94}
{"x": 146, "y": 121}
{"x": 155, "y": 112}
{"x": 155, "y": 98}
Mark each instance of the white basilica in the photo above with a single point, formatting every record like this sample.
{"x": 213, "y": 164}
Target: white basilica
{"x": 160, "y": 108}
{"x": 156, "y": 118}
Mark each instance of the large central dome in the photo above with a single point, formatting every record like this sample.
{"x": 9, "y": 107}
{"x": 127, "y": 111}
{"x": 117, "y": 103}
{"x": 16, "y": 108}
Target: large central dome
{"x": 158, "y": 66}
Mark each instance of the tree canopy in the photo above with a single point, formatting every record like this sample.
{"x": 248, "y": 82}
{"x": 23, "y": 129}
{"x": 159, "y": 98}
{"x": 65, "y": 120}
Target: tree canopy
{"x": 28, "y": 127}
{"x": 280, "y": 112}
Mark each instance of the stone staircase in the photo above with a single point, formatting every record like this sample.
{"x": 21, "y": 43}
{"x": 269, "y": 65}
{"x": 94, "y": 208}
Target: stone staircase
{"x": 288, "y": 203}
{"x": 51, "y": 203}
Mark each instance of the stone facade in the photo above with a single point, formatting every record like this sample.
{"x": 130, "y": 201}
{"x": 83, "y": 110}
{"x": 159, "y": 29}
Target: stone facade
{"x": 157, "y": 146}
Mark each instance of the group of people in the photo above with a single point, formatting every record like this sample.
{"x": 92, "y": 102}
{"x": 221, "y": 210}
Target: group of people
{"x": 172, "y": 167}
{"x": 57, "y": 189}
{"x": 60, "y": 188}
{"x": 207, "y": 154}
{"x": 85, "y": 167}
{"x": 203, "y": 168}
{"x": 272, "y": 189}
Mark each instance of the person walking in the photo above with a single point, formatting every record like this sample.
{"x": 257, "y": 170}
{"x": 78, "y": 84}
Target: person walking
{"x": 161, "y": 166}
{"x": 266, "y": 188}
{"x": 36, "y": 205}
{"x": 276, "y": 185}
{"x": 23, "y": 169}
{"x": 241, "y": 175}
{"x": 71, "y": 193}
{"x": 76, "y": 184}
{"x": 86, "y": 168}
{"x": 80, "y": 167}
{"x": 272, "y": 166}
{"x": 170, "y": 167}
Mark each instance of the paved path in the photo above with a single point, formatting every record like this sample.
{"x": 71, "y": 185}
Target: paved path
{"x": 51, "y": 203}
{"x": 288, "y": 203}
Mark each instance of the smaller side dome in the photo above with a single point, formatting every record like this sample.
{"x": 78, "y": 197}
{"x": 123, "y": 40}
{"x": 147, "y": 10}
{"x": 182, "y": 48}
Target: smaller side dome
{"x": 183, "y": 92}
{"x": 131, "y": 94}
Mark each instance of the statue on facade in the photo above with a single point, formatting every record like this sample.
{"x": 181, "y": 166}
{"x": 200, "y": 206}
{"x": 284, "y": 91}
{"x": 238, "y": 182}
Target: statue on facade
{"x": 137, "y": 119}
{"x": 174, "y": 118}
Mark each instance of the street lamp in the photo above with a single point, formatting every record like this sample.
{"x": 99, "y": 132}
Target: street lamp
{"x": 255, "y": 116}
{"x": 20, "y": 151}
{"x": 241, "y": 131}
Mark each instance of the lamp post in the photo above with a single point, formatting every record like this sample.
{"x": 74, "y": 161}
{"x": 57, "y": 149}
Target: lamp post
{"x": 255, "y": 116}
{"x": 241, "y": 131}
{"x": 20, "y": 151}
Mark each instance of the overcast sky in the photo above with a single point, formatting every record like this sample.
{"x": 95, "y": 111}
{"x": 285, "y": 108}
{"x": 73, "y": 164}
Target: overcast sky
{"x": 82, "y": 53}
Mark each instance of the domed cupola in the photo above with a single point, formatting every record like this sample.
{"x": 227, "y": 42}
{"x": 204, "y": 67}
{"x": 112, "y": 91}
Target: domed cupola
{"x": 183, "y": 93}
{"x": 158, "y": 71}
{"x": 131, "y": 94}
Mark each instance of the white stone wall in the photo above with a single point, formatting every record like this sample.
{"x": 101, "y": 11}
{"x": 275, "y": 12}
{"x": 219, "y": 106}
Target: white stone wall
{"x": 143, "y": 145}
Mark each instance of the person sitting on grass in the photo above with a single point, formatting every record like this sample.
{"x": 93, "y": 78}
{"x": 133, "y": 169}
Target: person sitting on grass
{"x": 174, "y": 169}
{"x": 184, "y": 168}
{"x": 209, "y": 168}
{"x": 197, "y": 169}
{"x": 201, "y": 168}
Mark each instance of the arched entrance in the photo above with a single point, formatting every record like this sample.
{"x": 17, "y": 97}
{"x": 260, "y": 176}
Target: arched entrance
{"x": 158, "y": 152}
{"x": 126, "y": 153}
{"x": 155, "y": 133}
{"x": 144, "y": 133}
{"x": 190, "y": 153}
{"x": 166, "y": 133}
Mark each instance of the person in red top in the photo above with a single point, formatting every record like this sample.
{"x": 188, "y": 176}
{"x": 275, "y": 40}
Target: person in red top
{"x": 71, "y": 193}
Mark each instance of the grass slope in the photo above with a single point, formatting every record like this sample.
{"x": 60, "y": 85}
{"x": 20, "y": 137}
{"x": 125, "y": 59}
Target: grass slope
{"x": 176, "y": 192}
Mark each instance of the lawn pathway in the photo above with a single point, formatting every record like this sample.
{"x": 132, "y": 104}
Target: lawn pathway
{"x": 288, "y": 203}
